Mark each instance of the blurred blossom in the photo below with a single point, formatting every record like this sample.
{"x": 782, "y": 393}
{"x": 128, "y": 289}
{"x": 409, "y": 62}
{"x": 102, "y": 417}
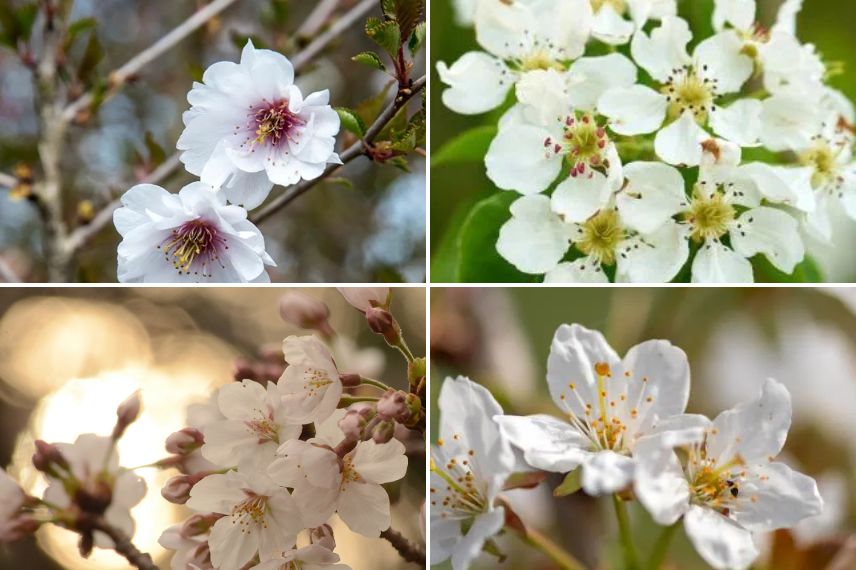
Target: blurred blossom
{"x": 351, "y": 358}
{"x": 833, "y": 489}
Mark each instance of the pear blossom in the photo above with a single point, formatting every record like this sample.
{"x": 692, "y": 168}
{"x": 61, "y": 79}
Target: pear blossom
{"x": 615, "y": 21}
{"x": 260, "y": 516}
{"x": 469, "y": 467}
{"x": 94, "y": 464}
{"x": 250, "y": 127}
{"x": 312, "y": 557}
{"x": 13, "y": 522}
{"x": 730, "y": 485}
{"x": 351, "y": 487}
{"x": 536, "y": 240}
{"x": 725, "y": 202}
{"x": 189, "y": 237}
{"x": 310, "y": 387}
{"x": 611, "y": 405}
{"x": 689, "y": 93}
{"x": 518, "y": 37}
{"x": 256, "y": 423}
{"x": 191, "y": 553}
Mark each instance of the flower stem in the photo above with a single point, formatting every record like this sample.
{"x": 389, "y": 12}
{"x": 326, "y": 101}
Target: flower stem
{"x": 631, "y": 559}
{"x": 405, "y": 350}
{"x": 556, "y": 553}
{"x": 373, "y": 382}
{"x": 661, "y": 547}
{"x": 346, "y": 401}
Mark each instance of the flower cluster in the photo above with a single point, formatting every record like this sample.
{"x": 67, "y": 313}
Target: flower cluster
{"x": 248, "y": 127}
{"x": 264, "y": 461}
{"x": 622, "y": 430}
{"x": 647, "y": 156}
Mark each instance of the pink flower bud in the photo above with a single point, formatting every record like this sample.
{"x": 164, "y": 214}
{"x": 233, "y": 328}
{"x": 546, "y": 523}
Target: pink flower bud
{"x": 364, "y": 298}
{"x": 392, "y": 405}
{"x": 48, "y": 457}
{"x": 184, "y": 441}
{"x": 305, "y": 312}
{"x": 323, "y": 535}
{"x": 199, "y": 524}
{"x": 352, "y": 425}
{"x": 383, "y": 323}
{"x": 383, "y": 432}
{"x": 350, "y": 380}
{"x": 177, "y": 489}
{"x": 127, "y": 413}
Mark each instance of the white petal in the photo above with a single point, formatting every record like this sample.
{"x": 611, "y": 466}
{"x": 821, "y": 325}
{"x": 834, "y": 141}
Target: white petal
{"x": 239, "y": 400}
{"x": 680, "y": 142}
{"x": 519, "y": 160}
{"x": 607, "y": 472}
{"x": 591, "y": 77}
{"x": 771, "y": 232}
{"x": 660, "y": 483}
{"x": 580, "y": 197}
{"x": 818, "y": 223}
{"x": 216, "y": 494}
{"x": 609, "y": 27}
{"x": 477, "y": 83}
{"x": 545, "y": 92}
{"x": 715, "y": 263}
{"x": 547, "y": 443}
{"x": 380, "y": 462}
{"x": 634, "y": 110}
{"x": 484, "y": 527}
{"x": 721, "y": 542}
{"x": 740, "y": 122}
{"x": 653, "y": 258}
{"x": 720, "y": 57}
{"x": 786, "y": 18}
{"x": 248, "y": 189}
{"x": 783, "y": 184}
{"x": 788, "y": 122}
{"x": 535, "y": 239}
{"x": 578, "y": 271}
{"x": 364, "y": 507}
{"x": 667, "y": 374}
{"x": 780, "y": 498}
{"x": 739, "y": 13}
{"x": 654, "y": 193}
{"x": 664, "y": 50}
{"x": 231, "y": 547}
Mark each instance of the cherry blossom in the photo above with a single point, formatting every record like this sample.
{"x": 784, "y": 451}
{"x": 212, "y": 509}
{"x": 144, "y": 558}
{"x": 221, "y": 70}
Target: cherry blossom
{"x": 13, "y": 522}
{"x": 312, "y": 557}
{"x": 310, "y": 387}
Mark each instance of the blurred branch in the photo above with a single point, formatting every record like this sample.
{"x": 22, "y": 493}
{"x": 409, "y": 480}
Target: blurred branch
{"x": 7, "y": 180}
{"x": 355, "y": 150}
{"x": 120, "y": 76}
{"x": 408, "y": 550}
{"x": 346, "y": 21}
{"x": 316, "y": 19}
{"x": 124, "y": 546}
{"x": 7, "y": 274}
{"x": 83, "y": 234}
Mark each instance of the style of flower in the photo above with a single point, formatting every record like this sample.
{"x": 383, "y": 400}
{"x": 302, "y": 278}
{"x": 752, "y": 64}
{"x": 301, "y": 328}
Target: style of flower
{"x": 469, "y": 467}
{"x": 312, "y": 557}
{"x": 726, "y": 202}
{"x": 189, "y": 237}
{"x": 730, "y": 485}
{"x": 13, "y": 521}
{"x": 310, "y": 387}
{"x": 98, "y": 480}
{"x": 249, "y": 127}
{"x": 351, "y": 487}
{"x": 518, "y": 37}
{"x": 256, "y": 423}
{"x": 191, "y": 553}
{"x": 688, "y": 95}
{"x": 537, "y": 238}
{"x": 261, "y": 517}
{"x": 610, "y": 24}
{"x": 610, "y": 406}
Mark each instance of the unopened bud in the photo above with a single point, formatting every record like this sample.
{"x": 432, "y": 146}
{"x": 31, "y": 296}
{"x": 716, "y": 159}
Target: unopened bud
{"x": 48, "y": 456}
{"x": 199, "y": 524}
{"x": 383, "y": 323}
{"x": 383, "y": 431}
{"x": 416, "y": 370}
{"x": 414, "y": 410}
{"x": 184, "y": 441}
{"x": 392, "y": 406}
{"x": 323, "y": 535}
{"x": 350, "y": 380}
{"x": 127, "y": 413}
{"x": 352, "y": 425}
{"x": 305, "y": 312}
{"x": 243, "y": 369}
{"x": 177, "y": 489}
{"x": 364, "y": 298}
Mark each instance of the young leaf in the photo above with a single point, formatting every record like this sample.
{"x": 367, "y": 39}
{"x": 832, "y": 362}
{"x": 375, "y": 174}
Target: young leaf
{"x": 386, "y": 34}
{"x": 351, "y": 121}
{"x": 524, "y": 480}
{"x": 156, "y": 153}
{"x": 409, "y": 13}
{"x": 469, "y": 146}
{"x": 371, "y": 59}
{"x": 92, "y": 56}
{"x": 417, "y": 38}
{"x": 78, "y": 27}
{"x": 571, "y": 484}
{"x": 369, "y": 109}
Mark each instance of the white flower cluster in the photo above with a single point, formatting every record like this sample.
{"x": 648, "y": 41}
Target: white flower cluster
{"x": 249, "y": 127}
{"x": 631, "y": 166}
{"x": 622, "y": 422}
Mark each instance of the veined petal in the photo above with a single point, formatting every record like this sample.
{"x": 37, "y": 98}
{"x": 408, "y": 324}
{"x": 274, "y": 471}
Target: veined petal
{"x": 634, "y": 110}
{"x": 364, "y": 507}
{"x": 535, "y": 238}
{"x": 777, "y": 497}
{"x": 380, "y": 462}
{"x": 580, "y": 197}
{"x": 720, "y": 58}
{"x": 547, "y": 443}
{"x": 680, "y": 142}
{"x": 518, "y": 159}
{"x": 716, "y": 263}
{"x": 607, "y": 472}
{"x": 477, "y": 83}
{"x": 659, "y": 371}
{"x": 771, "y": 232}
{"x": 722, "y": 543}
{"x": 664, "y": 50}
{"x": 654, "y": 193}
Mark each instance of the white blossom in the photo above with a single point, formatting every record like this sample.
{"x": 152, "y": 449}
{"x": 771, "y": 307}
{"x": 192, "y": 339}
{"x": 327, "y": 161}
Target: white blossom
{"x": 12, "y": 498}
{"x": 312, "y": 557}
{"x": 615, "y": 21}
{"x": 189, "y": 237}
{"x": 310, "y": 387}
{"x": 191, "y": 553}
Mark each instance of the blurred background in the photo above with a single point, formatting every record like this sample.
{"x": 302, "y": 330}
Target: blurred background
{"x": 456, "y": 187}
{"x": 369, "y": 230}
{"x": 734, "y": 338}
{"x": 68, "y": 357}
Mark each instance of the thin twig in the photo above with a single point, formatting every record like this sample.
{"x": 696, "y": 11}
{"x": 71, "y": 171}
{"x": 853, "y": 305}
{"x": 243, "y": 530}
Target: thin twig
{"x": 346, "y": 21}
{"x": 119, "y": 76}
{"x": 316, "y": 19}
{"x": 8, "y": 180}
{"x": 83, "y": 234}
{"x": 124, "y": 546}
{"x": 409, "y": 551}
{"x": 355, "y": 150}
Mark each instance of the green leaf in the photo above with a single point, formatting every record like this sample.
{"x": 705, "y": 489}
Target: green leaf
{"x": 478, "y": 260}
{"x": 469, "y": 146}
{"x": 78, "y": 27}
{"x": 351, "y": 121}
{"x": 385, "y": 34}
{"x": 524, "y": 480}
{"x": 92, "y": 56}
{"x": 156, "y": 153}
{"x": 339, "y": 180}
{"x": 369, "y": 109}
{"x": 417, "y": 38}
{"x": 571, "y": 484}
{"x": 18, "y": 24}
{"x": 807, "y": 271}
{"x": 371, "y": 59}
{"x": 409, "y": 13}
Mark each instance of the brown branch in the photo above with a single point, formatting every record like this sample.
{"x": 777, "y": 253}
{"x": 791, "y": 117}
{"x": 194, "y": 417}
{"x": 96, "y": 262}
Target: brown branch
{"x": 316, "y": 19}
{"x": 409, "y": 551}
{"x": 124, "y": 546}
{"x": 346, "y": 21}
{"x": 357, "y": 149}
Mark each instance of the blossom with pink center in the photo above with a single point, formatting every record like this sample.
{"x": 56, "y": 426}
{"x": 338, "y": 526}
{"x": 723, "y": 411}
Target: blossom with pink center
{"x": 192, "y": 236}
{"x": 250, "y": 127}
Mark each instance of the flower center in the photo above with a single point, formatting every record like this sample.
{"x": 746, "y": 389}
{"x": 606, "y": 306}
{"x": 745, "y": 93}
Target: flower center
{"x": 250, "y": 512}
{"x": 274, "y": 121}
{"x": 712, "y": 485}
{"x": 600, "y": 236}
{"x": 314, "y": 380}
{"x": 709, "y": 216}
{"x": 533, "y": 53}
{"x": 264, "y": 427}
{"x": 822, "y": 157}
{"x": 583, "y": 143}
{"x": 460, "y": 498}
{"x": 192, "y": 241}
{"x": 619, "y": 6}
{"x": 349, "y": 474}
{"x": 686, "y": 90}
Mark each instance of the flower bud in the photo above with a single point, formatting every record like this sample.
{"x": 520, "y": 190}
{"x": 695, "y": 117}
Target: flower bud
{"x": 177, "y": 489}
{"x": 364, "y": 298}
{"x": 48, "y": 457}
{"x": 350, "y": 380}
{"x": 305, "y": 312}
{"x": 184, "y": 441}
{"x": 391, "y": 405}
{"x": 352, "y": 425}
{"x": 199, "y": 524}
{"x": 383, "y": 431}
{"x": 127, "y": 413}
{"x": 416, "y": 370}
{"x": 383, "y": 323}
{"x": 323, "y": 535}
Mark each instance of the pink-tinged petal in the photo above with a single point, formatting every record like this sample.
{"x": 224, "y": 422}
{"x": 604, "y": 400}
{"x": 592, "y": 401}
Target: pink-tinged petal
{"x": 364, "y": 507}
{"x": 380, "y": 462}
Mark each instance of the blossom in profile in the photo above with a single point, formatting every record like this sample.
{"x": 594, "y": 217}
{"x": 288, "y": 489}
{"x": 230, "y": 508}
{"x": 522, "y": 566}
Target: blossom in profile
{"x": 250, "y": 127}
{"x": 312, "y": 557}
{"x": 189, "y": 237}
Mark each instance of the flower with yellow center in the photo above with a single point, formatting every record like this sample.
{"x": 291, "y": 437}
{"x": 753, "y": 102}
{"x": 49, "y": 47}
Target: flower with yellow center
{"x": 310, "y": 387}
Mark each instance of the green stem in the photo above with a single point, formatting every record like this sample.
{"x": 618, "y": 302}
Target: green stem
{"x": 405, "y": 350}
{"x": 346, "y": 401}
{"x": 631, "y": 559}
{"x": 373, "y": 382}
{"x": 661, "y": 547}
{"x": 556, "y": 553}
